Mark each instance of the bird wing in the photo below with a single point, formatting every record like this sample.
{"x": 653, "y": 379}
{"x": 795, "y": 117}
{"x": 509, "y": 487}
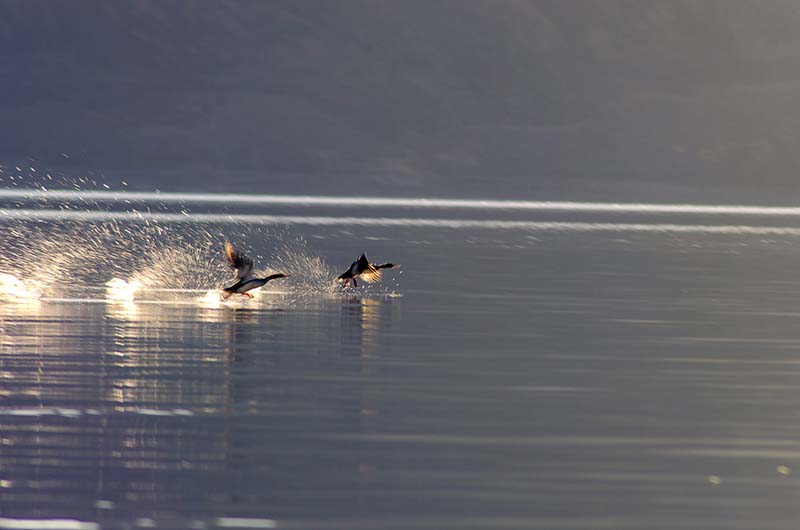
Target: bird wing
{"x": 370, "y": 275}
{"x": 367, "y": 270}
{"x": 362, "y": 264}
{"x": 242, "y": 265}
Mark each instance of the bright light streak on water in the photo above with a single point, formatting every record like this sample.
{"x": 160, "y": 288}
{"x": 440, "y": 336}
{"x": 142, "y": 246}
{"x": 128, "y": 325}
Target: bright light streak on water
{"x": 348, "y": 202}
{"x": 46, "y": 524}
{"x": 492, "y": 224}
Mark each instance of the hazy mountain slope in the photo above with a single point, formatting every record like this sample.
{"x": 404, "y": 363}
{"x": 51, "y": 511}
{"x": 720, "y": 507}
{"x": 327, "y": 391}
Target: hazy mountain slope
{"x": 435, "y": 97}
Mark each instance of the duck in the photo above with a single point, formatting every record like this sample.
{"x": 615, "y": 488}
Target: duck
{"x": 362, "y": 268}
{"x": 244, "y": 278}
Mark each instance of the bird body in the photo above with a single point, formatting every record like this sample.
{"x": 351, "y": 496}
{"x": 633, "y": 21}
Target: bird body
{"x": 364, "y": 269}
{"x": 243, "y": 274}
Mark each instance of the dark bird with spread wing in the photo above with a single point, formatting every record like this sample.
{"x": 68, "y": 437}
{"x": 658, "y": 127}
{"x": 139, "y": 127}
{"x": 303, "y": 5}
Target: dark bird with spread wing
{"x": 243, "y": 274}
{"x": 362, "y": 268}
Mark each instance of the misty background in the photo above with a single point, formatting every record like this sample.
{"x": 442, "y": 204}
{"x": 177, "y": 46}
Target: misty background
{"x": 555, "y": 99}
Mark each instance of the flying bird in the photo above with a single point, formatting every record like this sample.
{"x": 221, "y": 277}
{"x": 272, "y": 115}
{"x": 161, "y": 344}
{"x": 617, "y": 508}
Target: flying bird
{"x": 243, "y": 274}
{"x": 362, "y": 268}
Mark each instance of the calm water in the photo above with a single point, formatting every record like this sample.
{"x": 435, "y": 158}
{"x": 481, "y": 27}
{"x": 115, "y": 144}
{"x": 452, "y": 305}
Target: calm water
{"x": 522, "y": 378}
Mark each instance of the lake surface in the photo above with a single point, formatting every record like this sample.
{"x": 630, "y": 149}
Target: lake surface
{"x": 580, "y": 370}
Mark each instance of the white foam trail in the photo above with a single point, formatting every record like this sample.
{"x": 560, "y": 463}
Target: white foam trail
{"x": 39, "y": 411}
{"x": 137, "y": 302}
{"x": 212, "y": 299}
{"x": 494, "y": 224}
{"x": 163, "y": 290}
{"x": 419, "y": 202}
{"x": 245, "y": 522}
{"x": 13, "y": 287}
{"x": 76, "y": 413}
{"x": 119, "y": 289}
{"x": 46, "y": 524}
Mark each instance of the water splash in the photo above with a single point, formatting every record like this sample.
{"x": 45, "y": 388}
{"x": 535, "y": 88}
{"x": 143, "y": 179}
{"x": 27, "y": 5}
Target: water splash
{"x": 131, "y": 261}
{"x": 64, "y": 256}
{"x": 212, "y": 299}
{"x": 132, "y": 257}
{"x": 119, "y": 289}
{"x": 13, "y": 288}
{"x": 181, "y": 265}
{"x": 308, "y": 274}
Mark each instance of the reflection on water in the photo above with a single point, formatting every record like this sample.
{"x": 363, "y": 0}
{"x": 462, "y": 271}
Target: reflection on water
{"x": 103, "y": 400}
{"x": 364, "y": 321}
{"x": 92, "y": 390}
